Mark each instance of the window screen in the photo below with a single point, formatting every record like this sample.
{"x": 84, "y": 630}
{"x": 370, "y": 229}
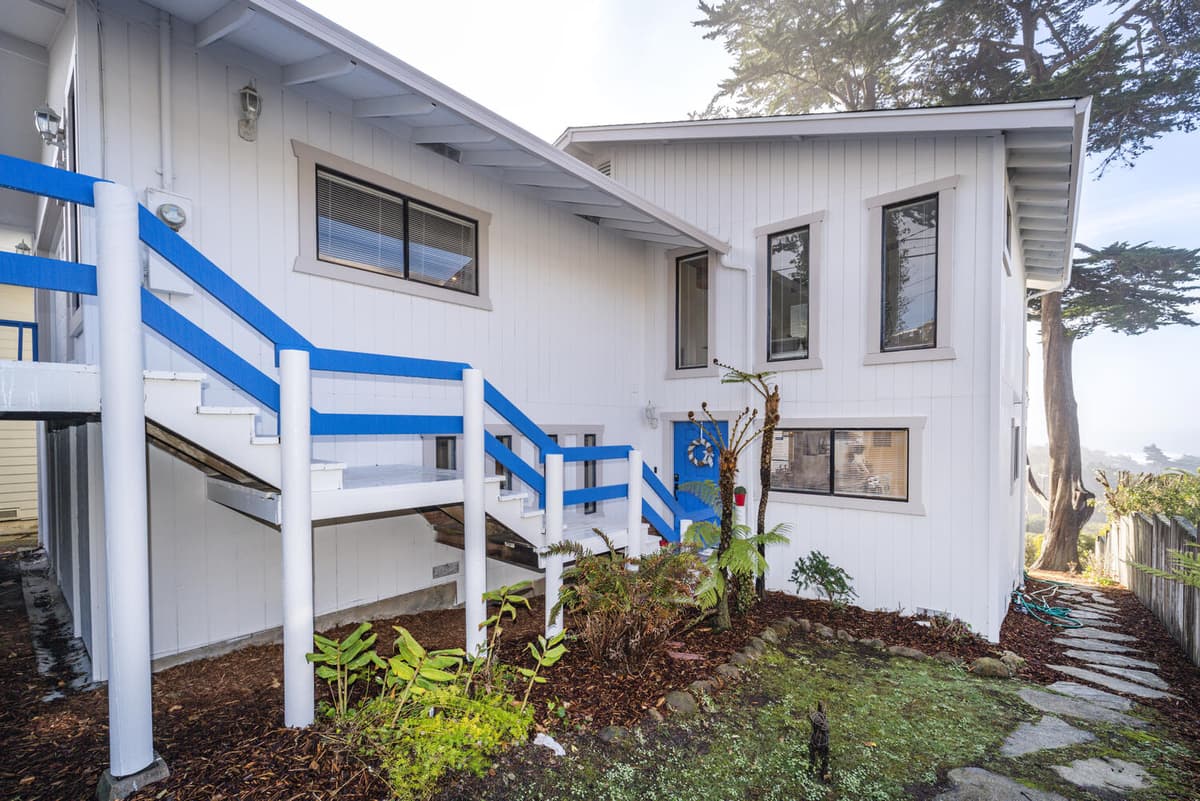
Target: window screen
{"x": 358, "y": 225}
{"x": 870, "y": 463}
{"x": 910, "y": 275}
{"x": 788, "y": 296}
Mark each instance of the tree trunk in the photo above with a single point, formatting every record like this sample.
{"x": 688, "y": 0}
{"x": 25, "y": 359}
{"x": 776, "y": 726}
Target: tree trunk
{"x": 766, "y": 439}
{"x": 728, "y": 474}
{"x": 1070, "y": 502}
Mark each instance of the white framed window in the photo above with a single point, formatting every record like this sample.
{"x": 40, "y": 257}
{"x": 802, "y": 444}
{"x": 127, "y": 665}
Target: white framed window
{"x": 692, "y": 306}
{"x": 445, "y": 453}
{"x": 872, "y": 464}
{"x": 788, "y": 292}
{"x": 909, "y": 269}
{"x": 364, "y": 226}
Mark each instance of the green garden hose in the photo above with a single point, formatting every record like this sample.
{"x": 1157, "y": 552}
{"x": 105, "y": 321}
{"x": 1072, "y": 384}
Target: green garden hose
{"x": 1036, "y": 605}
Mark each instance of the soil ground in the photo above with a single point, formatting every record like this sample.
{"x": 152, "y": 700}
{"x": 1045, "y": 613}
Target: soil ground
{"x": 217, "y": 721}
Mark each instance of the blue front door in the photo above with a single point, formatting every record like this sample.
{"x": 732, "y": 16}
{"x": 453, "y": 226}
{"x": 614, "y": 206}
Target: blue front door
{"x": 695, "y": 460}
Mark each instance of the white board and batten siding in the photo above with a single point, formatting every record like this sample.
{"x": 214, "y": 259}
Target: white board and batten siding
{"x": 935, "y": 560}
{"x": 568, "y": 315}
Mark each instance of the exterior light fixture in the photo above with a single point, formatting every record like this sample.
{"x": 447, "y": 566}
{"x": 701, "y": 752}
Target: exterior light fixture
{"x": 49, "y": 126}
{"x": 23, "y": 248}
{"x": 250, "y": 103}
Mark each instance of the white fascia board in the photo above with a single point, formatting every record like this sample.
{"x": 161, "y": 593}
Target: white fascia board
{"x": 312, "y": 24}
{"x": 946, "y": 119}
{"x": 1083, "y": 115}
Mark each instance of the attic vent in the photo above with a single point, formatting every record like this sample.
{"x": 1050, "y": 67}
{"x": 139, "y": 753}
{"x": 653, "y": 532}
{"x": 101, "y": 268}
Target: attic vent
{"x": 605, "y": 167}
{"x": 444, "y": 150}
{"x": 8, "y": 514}
{"x": 589, "y": 218}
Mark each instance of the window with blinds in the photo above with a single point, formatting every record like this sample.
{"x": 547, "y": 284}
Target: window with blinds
{"x": 855, "y": 463}
{"x": 363, "y": 226}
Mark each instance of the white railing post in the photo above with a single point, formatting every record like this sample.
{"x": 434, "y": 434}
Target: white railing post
{"x": 295, "y": 492}
{"x": 474, "y": 512}
{"x": 554, "y": 536}
{"x": 633, "y": 509}
{"x": 123, "y": 430}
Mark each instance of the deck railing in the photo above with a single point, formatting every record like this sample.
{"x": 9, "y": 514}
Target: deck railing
{"x": 160, "y": 317}
{"x": 22, "y": 326}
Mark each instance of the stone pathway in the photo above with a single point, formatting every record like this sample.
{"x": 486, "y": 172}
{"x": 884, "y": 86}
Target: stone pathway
{"x": 1113, "y": 670}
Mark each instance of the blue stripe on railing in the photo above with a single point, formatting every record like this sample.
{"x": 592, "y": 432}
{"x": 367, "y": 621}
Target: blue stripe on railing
{"x": 334, "y": 424}
{"x": 38, "y": 179}
{"x": 514, "y": 464}
{"x": 345, "y": 361}
{"x": 186, "y": 335}
{"x": 655, "y": 483}
{"x": 40, "y": 273}
{"x": 592, "y": 494}
{"x": 192, "y": 263}
{"x": 658, "y": 523}
{"x": 529, "y": 429}
{"x": 596, "y": 453}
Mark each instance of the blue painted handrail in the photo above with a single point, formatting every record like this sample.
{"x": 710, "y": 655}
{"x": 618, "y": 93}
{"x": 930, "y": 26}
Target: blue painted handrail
{"x": 52, "y": 274}
{"x": 22, "y": 326}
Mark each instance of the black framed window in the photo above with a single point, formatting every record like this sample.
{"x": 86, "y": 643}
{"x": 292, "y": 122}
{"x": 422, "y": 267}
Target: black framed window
{"x": 691, "y": 311}
{"x": 501, "y": 470}
{"x": 589, "y": 473}
{"x": 853, "y": 463}
{"x": 445, "y": 453}
{"x": 788, "y": 294}
{"x": 910, "y": 263}
{"x": 362, "y": 226}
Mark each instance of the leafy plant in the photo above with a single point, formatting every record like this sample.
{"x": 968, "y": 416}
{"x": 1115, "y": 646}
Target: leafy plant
{"x": 507, "y": 600}
{"x": 413, "y": 671}
{"x": 1184, "y": 567}
{"x": 1174, "y": 493}
{"x": 743, "y": 557}
{"x": 627, "y": 609}
{"x": 832, "y": 581}
{"x": 951, "y": 628}
{"x": 344, "y": 663}
{"x": 545, "y": 655}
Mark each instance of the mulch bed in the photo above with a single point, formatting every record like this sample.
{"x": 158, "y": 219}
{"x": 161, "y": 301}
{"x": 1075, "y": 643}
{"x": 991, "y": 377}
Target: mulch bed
{"x": 217, "y": 721}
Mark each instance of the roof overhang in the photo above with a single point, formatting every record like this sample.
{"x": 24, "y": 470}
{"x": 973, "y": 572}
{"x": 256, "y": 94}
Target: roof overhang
{"x": 316, "y": 57}
{"x": 1045, "y": 144}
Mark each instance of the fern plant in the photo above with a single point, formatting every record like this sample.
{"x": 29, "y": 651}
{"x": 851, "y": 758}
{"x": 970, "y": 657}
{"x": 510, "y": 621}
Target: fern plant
{"x": 744, "y": 556}
{"x": 1184, "y": 567}
{"x": 832, "y": 581}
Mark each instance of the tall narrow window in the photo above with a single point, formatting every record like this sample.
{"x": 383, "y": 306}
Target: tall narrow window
{"x": 446, "y": 453}
{"x": 691, "y": 311}
{"x": 589, "y": 473}
{"x": 909, "y": 302}
{"x": 787, "y": 294}
{"x": 501, "y": 470}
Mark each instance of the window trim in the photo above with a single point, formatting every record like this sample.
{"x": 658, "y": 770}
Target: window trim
{"x": 673, "y": 259}
{"x": 914, "y": 505}
{"x": 762, "y": 327}
{"x": 945, "y": 191}
{"x": 310, "y": 159}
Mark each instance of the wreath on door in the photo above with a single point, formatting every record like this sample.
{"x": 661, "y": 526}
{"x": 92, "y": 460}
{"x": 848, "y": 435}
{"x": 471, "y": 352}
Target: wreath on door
{"x": 705, "y": 459}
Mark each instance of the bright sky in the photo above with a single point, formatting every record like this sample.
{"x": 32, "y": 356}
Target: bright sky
{"x": 547, "y": 64}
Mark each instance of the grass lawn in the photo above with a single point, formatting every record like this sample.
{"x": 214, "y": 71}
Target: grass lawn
{"x": 897, "y": 725}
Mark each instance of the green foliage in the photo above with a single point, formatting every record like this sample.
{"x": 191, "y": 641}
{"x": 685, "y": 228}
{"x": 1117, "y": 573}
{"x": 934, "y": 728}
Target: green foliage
{"x": 1173, "y": 493}
{"x": 1033, "y": 547}
{"x": 546, "y": 654}
{"x": 446, "y": 730}
{"x": 742, "y": 558}
{"x": 506, "y": 600}
{"x": 817, "y": 571}
{"x": 627, "y": 609}
{"x": 343, "y": 663}
{"x": 1140, "y": 61}
{"x": 1129, "y": 289}
{"x": 1183, "y": 566}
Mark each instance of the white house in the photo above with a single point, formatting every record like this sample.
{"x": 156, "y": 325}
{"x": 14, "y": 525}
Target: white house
{"x": 499, "y": 339}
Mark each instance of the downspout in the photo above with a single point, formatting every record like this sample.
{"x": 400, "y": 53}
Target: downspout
{"x": 166, "y": 172}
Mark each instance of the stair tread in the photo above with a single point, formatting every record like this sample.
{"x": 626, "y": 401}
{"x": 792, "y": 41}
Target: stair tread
{"x": 173, "y": 375}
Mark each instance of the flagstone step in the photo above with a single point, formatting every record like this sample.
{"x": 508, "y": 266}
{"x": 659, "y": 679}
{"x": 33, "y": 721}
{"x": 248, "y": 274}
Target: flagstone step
{"x": 1111, "y": 682}
{"x": 1049, "y": 732}
{"x": 1102, "y": 658}
{"x": 1140, "y": 676}
{"x": 1093, "y": 694}
{"x": 1099, "y": 634}
{"x": 1074, "y": 707}
{"x": 1107, "y": 775}
{"x": 1095, "y": 645}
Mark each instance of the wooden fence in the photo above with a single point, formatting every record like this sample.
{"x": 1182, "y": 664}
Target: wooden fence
{"x": 1147, "y": 539}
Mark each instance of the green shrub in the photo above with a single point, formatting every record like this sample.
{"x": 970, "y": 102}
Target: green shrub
{"x": 1173, "y": 493}
{"x": 817, "y": 571}
{"x": 627, "y": 609}
{"x": 1033, "y": 547}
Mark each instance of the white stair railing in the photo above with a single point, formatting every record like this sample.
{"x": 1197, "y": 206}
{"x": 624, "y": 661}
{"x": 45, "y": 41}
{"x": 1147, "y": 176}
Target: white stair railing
{"x": 554, "y": 536}
{"x": 295, "y": 495}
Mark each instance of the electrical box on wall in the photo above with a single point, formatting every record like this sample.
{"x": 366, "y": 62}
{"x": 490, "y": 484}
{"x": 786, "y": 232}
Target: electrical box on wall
{"x": 176, "y": 211}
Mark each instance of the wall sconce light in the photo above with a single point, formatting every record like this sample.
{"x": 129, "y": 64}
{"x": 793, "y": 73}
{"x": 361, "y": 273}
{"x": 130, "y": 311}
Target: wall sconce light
{"x": 49, "y": 126}
{"x": 23, "y": 248}
{"x": 651, "y": 413}
{"x": 250, "y": 102}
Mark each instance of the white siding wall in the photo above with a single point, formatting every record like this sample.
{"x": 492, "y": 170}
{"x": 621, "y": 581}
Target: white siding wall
{"x": 18, "y": 438}
{"x": 935, "y": 560}
{"x": 563, "y": 342}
